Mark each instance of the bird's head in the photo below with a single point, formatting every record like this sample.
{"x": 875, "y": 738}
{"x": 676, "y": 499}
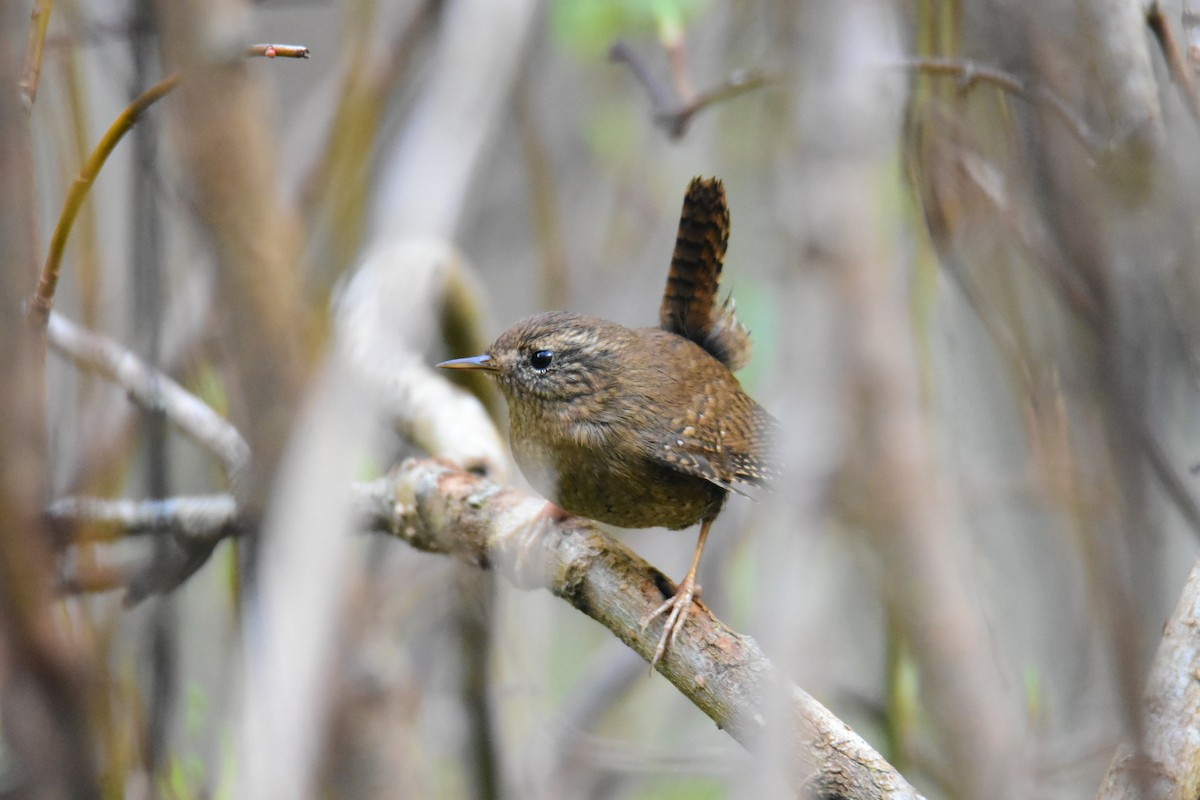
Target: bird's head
{"x": 552, "y": 359}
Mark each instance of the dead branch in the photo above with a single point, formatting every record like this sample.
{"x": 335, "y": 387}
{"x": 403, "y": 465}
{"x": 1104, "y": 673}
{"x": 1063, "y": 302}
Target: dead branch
{"x": 189, "y": 528}
{"x": 970, "y": 73}
{"x": 206, "y": 519}
{"x": 384, "y": 318}
{"x": 671, "y": 113}
{"x": 152, "y": 390}
{"x": 439, "y": 509}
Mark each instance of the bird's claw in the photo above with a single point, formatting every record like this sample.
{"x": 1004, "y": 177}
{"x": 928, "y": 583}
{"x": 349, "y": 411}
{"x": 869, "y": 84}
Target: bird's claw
{"x": 680, "y": 605}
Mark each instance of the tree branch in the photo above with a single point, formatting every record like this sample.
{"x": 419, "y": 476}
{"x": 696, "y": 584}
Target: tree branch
{"x": 206, "y": 519}
{"x": 190, "y": 527}
{"x": 673, "y": 114}
{"x": 152, "y": 390}
{"x": 970, "y": 73}
{"x": 439, "y": 509}
{"x": 401, "y": 292}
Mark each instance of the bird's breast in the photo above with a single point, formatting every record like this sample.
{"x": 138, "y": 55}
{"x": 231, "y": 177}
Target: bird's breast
{"x": 599, "y": 472}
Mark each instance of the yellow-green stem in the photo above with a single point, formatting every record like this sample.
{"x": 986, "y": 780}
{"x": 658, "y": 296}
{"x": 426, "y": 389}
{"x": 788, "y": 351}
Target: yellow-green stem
{"x": 43, "y": 300}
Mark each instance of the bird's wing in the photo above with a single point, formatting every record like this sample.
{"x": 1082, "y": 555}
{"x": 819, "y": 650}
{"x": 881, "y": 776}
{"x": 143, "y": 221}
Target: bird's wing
{"x": 726, "y": 446}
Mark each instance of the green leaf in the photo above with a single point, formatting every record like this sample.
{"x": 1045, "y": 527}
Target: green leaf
{"x": 587, "y": 28}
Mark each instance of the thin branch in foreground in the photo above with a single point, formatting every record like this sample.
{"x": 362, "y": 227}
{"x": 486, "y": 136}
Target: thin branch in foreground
{"x": 189, "y": 528}
{"x": 969, "y": 73}
{"x": 437, "y": 508}
{"x": 206, "y": 519}
{"x": 1181, "y": 76}
{"x": 670, "y": 113}
{"x": 173, "y": 563}
{"x": 153, "y": 391}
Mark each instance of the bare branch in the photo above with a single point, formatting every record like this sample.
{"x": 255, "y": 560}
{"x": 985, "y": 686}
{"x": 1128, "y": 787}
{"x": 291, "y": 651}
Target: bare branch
{"x": 204, "y": 519}
{"x": 190, "y": 529}
{"x": 384, "y": 318}
{"x": 661, "y": 97}
{"x": 152, "y": 390}
{"x": 671, "y": 113}
{"x": 437, "y": 508}
{"x": 970, "y": 73}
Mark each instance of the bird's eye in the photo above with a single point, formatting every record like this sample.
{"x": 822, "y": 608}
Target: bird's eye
{"x": 542, "y": 359}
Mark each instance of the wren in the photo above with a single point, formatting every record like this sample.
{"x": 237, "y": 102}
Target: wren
{"x": 641, "y": 427}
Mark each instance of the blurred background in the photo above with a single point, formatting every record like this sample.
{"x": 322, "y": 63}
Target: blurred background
{"x": 964, "y": 240}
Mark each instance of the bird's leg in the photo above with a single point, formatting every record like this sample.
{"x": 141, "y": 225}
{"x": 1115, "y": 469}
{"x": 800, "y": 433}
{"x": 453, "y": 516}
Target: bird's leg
{"x": 681, "y": 603}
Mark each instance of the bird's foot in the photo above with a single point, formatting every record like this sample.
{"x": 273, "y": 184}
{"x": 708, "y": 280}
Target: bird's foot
{"x": 680, "y": 605}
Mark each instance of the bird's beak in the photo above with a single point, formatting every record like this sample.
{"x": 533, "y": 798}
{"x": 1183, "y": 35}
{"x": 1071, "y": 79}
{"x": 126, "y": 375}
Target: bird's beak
{"x": 483, "y": 362}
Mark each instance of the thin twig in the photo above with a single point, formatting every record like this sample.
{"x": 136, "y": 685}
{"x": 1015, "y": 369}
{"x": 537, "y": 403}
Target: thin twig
{"x": 670, "y": 113}
{"x": 970, "y": 73}
{"x": 738, "y": 83}
{"x": 661, "y": 96}
{"x": 152, "y": 390}
{"x": 43, "y": 300}
{"x": 40, "y": 23}
{"x": 1164, "y": 34}
{"x": 277, "y": 51}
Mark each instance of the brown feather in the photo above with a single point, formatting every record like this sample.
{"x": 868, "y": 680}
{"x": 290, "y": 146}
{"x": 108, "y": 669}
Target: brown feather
{"x": 690, "y": 307}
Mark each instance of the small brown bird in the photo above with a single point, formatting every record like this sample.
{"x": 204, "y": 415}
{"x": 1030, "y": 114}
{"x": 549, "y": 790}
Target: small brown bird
{"x": 640, "y": 427}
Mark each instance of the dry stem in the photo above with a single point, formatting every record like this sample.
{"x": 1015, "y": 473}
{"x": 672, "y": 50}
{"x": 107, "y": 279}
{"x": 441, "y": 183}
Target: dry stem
{"x": 970, "y": 73}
